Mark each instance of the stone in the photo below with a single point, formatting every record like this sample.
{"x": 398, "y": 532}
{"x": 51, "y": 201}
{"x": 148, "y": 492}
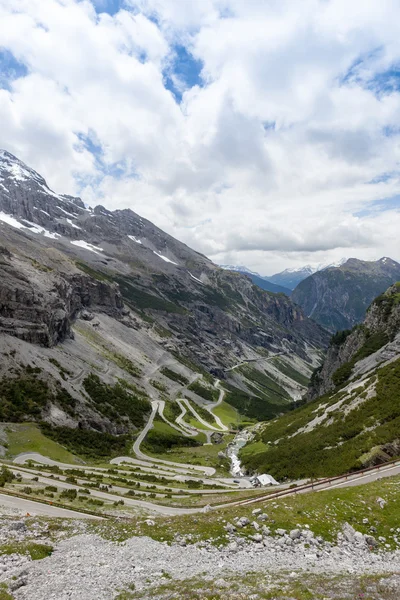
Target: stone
{"x": 262, "y": 517}
{"x": 243, "y": 522}
{"x": 280, "y": 531}
{"x": 295, "y": 534}
{"x": 381, "y": 502}
{"x": 371, "y": 541}
{"x": 256, "y": 511}
{"x": 230, "y": 528}
{"x": 348, "y": 532}
{"x": 257, "y": 537}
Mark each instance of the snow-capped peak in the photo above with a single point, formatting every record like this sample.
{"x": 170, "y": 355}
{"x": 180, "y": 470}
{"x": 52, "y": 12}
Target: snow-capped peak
{"x": 13, "y": 168}
{"x": 240, "y": 269}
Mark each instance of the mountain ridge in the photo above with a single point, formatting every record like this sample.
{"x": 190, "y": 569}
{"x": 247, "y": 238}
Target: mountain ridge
{"x": 337, "y": 297}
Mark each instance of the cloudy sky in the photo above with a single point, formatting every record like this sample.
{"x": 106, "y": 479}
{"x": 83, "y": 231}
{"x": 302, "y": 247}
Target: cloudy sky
{"x": 261, "y": 132}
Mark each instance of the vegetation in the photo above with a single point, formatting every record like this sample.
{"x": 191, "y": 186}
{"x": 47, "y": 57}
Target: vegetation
{"x": 174, "y": 376}
{"x": 163, "y": 438}
{"x": 290, "y": 371}
{"x": 35, "y": 550}
{"x": 373, "y": 342}
{"x": 88, "y": 443}
{"x": 203, "y": 413}
{"x": 26, "y": 396}
{"x": 6, "y": 476}
{"x": 27, "y": 437}
{"x": 139, "y": 299}
{"x": 253, "y": 407}
{"x": 210, "y": 394}
{"x": 338, "y": 444}
{"x": 228, "y": 414}
{"x": 116, "y": 401}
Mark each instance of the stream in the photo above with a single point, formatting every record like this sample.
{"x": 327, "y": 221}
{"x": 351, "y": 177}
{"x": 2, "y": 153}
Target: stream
{"x": 233, "y": 450}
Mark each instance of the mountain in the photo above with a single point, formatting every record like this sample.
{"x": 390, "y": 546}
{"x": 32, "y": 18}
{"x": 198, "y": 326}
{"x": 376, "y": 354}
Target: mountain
{"x": 353, "y": 420}
{"x": 292, "y": 277}
{"x": 338, "y": 297}
{"x": 258, "y": 280}
{"x": 101, "y": 311}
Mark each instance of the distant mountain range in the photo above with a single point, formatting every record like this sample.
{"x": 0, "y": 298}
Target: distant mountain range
{"x": 257, "y": 279}
{"x": 290, "y": 278}
{"x": 337, "y": 297}
{"x": 285, "y": 281}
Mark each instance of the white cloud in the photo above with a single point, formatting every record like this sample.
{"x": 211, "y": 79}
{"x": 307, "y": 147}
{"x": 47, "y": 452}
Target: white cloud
{"x": 267, "y": 163}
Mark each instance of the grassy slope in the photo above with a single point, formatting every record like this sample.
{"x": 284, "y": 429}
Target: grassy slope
{"x": 27, "y": 437}
{"x": 338, "y": 443}
{"x": 228, "y": 414}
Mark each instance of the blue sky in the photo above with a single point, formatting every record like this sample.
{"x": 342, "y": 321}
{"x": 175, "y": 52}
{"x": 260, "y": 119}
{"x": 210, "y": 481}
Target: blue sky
{"x": 260, "y": 133}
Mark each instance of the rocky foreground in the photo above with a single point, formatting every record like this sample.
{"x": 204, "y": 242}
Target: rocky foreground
{"x": 85, "y": 565}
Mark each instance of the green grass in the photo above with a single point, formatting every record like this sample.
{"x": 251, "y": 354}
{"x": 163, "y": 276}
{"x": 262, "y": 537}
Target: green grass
{"x": 336, "y": 445}
{"x": 35, "y": 550}
{"x": 88, "y": 443}
{"x": 228, "y": 414}
{"x": 288, "y": 370}
{"x": 162, "y": 438}
{"x": 264, "y": 585}
{"x": 4, "y": 595}
{"x": 27, "y": 437}
{"x": 324, "y": 512}
{"x": 190, "y": 419}
{"x": 205, "y": 455}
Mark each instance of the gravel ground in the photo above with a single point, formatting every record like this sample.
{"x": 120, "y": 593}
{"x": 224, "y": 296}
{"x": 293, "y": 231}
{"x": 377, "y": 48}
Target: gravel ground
{"x": 91, "y": 568}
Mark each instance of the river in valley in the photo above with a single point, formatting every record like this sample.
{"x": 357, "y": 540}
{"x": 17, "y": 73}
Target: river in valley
{"x": 233, "y": 450}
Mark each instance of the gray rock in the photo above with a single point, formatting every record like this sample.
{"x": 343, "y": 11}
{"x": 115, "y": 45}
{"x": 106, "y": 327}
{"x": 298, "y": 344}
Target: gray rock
{"x": 295, "y": 534}
{"x": 280, "y": 531}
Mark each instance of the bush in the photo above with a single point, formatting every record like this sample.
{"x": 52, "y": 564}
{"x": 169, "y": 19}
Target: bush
{"x": 116, "y": 401}
{"x": 207, "y": 393}
{"x": 68, "y": 495}
{"x": 174, "y": 376}
{"x": 6, "y": 476}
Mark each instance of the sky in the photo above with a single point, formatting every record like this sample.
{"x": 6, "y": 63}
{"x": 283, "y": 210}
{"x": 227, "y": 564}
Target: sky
{"x": 263, "y": 133}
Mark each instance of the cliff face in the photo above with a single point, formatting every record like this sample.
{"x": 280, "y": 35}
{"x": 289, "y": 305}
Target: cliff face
{"x": 337, "y": 298}
{"x": 377, "y": 334}
{"x": 39, "y": 305}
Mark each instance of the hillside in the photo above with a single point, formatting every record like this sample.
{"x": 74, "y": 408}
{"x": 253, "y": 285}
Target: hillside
{"x": 356, "y": 422}
{"x": 101, "y": 312}
{"x": 338, "y": 297}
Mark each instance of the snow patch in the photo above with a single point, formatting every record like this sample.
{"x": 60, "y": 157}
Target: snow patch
{"x": 195, "y": 278}
{"x": 165, "y": 258}
{"x": 132, "y": 237}
{"x": 87, "y": 246}
{"x": 34, "y": 228}
{"x": 66, "y": 213}
{"x": 73, "y": 224}
{"x": 9, "y": 219}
